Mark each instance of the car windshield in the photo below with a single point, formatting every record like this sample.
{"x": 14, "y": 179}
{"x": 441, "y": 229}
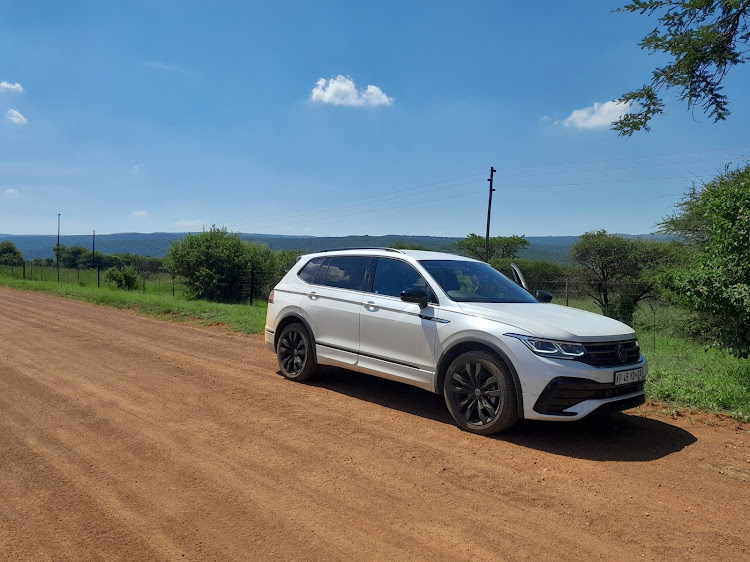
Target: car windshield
{"x": 471, "y": 281}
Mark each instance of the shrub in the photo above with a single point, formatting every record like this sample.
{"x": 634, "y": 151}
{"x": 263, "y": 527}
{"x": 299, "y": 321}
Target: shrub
{"x": 125, "y": 277}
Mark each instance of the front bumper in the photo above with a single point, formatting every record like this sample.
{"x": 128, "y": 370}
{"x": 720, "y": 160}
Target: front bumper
{"x": 564, "y": 396}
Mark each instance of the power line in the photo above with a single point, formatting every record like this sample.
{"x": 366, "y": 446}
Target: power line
{"x": 319, "y": 210}
{"x": 371, "y": 211}
{"x": 424, "y": 188}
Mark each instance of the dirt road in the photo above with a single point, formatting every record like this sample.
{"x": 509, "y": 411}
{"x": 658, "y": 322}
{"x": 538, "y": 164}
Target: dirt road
{"x": 127, "y": 438}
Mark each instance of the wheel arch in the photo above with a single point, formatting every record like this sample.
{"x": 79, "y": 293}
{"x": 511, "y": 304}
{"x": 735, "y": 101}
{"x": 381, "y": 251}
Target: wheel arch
{"x": 293, "y": 318}
{"x": 463, "y": 346}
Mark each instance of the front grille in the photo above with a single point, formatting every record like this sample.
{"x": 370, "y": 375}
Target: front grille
{"x": 564, "y": 392}
{"x": 605, "y": 354}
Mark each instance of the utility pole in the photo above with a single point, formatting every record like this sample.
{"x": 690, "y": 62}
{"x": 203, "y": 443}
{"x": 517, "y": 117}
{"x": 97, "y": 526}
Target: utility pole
{"x": 58, "y": 247}
{"x": 93, "y": 256}
{"x": 489, "y": 211}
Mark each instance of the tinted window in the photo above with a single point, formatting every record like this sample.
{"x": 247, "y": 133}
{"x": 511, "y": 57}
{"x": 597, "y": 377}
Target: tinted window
{"x": 307, "y": 273}
{"x": 347, "y": 272}
{"x": 469, "y": 281}
{"x": 394, "y": 276}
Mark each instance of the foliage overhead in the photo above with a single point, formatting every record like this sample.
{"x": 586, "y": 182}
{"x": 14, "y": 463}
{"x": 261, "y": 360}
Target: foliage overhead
{"x": 618, "y": 272}
{"x": 501, "y": 247}
{"x": 718, "y": 285}
{"x": 9, "y": 254}
{"x": 703, "y": 39}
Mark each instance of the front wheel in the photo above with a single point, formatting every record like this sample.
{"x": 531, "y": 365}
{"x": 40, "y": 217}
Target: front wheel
{"x": 480, "y": 393}
{"x": 295, "y": 353}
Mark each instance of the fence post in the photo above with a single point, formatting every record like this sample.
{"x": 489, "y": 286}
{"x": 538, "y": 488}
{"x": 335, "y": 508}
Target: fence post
{"x": 252, "y": 284}
{"x": 144, "y": 284}
{"x": 24, "y": 271}
{"x": 566, "y": 292}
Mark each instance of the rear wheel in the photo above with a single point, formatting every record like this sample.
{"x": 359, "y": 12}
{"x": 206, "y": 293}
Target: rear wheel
{"x": 295, "y": 353}
{"x": 480, "y": 393}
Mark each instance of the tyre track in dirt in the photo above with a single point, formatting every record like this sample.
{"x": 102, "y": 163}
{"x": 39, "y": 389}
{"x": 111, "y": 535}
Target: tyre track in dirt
{"x": 128, "y": 438}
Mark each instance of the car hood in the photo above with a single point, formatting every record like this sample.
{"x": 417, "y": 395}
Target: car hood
{"x": 552, "y": 321}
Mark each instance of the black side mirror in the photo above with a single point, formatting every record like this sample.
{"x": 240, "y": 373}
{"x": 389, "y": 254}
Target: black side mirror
{"x": 415, "y": 295}
{"x": 543, "y": 296}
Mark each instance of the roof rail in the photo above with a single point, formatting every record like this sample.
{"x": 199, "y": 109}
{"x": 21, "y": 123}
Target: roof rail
{"x": 358, "y": 248}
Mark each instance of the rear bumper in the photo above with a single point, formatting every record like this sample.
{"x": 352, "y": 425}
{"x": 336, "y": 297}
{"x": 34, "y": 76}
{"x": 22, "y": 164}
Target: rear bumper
{"x": 270, "y": 340}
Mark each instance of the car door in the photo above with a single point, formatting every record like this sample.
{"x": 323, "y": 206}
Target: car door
{"x": 397, "y": 338}
{"x": 332, "y": 304}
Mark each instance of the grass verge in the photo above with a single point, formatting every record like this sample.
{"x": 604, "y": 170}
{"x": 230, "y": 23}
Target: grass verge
{"x": 239, "y": 317}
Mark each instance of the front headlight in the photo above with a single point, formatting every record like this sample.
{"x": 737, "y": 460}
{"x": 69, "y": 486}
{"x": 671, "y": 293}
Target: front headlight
{"x": 550, "y": 348}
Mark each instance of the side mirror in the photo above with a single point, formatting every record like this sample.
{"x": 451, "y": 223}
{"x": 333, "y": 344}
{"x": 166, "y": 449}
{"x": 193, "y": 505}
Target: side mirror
{"x": 543, "y": 296}
{"x": 418, "y": 296}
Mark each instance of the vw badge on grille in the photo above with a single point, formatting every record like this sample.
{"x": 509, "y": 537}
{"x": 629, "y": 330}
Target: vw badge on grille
{"x": 622, "y": 355}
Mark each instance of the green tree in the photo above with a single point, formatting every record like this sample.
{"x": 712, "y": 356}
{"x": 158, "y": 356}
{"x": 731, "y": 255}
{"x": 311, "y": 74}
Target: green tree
{"x": 717, "y": 286}
{"x": 703, "y": 40}
{"x": 124, "y": 277}
{"x": 618, "y": 273}
{"x": 214, "y": 263}
{"x": 501, "y": 247}
{"x": 10, "y": 254}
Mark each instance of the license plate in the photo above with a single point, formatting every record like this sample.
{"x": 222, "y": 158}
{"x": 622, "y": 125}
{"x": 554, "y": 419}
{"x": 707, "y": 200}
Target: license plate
{"x": 630, "y": 376}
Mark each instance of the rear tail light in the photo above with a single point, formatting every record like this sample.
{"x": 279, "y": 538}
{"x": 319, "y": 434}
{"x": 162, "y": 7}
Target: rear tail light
{"x": 270, "y": 297}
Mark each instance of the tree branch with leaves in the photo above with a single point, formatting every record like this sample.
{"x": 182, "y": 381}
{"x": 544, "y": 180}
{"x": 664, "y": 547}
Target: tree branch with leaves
{"x": 704, "y": 39}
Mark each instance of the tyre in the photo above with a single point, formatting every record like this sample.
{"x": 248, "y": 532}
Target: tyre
{"x": 295, "y": 353}
{"x": 480, "y": 393}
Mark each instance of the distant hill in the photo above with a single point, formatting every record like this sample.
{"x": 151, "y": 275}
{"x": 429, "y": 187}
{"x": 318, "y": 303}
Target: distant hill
{"x": 156, "y": 244}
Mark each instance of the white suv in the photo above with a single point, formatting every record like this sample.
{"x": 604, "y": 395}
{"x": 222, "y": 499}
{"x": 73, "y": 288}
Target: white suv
{"x": 453, "y": 326}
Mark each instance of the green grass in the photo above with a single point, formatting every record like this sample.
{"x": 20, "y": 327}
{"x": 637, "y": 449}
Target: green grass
{"x": 239, "y": 317}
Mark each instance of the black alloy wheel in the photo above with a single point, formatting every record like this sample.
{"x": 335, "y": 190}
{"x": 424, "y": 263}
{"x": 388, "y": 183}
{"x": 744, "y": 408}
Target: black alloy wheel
{"x": 480, "y": 393}
{"x": 295, "y": 353}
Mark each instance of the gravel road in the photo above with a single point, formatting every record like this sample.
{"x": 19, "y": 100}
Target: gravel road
{"x": 128, "y": 438}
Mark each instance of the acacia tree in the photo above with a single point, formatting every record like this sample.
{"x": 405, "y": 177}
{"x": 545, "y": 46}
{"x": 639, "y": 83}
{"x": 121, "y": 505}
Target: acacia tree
{"x": 703, "y": 39}
{"x": 717, "y": 285}
{"x": 618, "y": 273}
{"x": 501, "y": 247}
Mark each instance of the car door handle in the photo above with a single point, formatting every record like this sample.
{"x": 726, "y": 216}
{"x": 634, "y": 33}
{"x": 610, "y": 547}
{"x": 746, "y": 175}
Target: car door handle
{"x": 313, "y": 295}
{"x": 371, "y": 306}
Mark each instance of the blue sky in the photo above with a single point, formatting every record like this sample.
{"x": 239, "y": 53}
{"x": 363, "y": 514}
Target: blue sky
{"x": 335, "y": 118}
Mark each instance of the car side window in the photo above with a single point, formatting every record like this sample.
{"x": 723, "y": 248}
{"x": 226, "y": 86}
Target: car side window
{"x": 308, "y": 272}
{"x": 394, "y": 276}
{"x": 346, "y": 272}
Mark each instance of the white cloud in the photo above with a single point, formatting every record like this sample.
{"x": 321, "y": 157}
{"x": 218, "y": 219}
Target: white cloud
{"x": 342, "y": 91}
{"x": 596, "y": 116}
{"x": 12, "y": 88}
{"x": 11, "y": 193}
{"x": 189, "y": 225}
{"x": 15, "y": 117}
{"x": 136, "y": 170}
{"x": 545, "y": 118}
{"x": 140, "y": 213}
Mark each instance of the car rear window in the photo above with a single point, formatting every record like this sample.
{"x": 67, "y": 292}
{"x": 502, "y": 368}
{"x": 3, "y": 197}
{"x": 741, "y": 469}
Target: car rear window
{"x": 308, "y": 272}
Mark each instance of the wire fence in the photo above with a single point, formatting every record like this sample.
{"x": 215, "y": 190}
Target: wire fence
{"x": 153, "y": 280}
